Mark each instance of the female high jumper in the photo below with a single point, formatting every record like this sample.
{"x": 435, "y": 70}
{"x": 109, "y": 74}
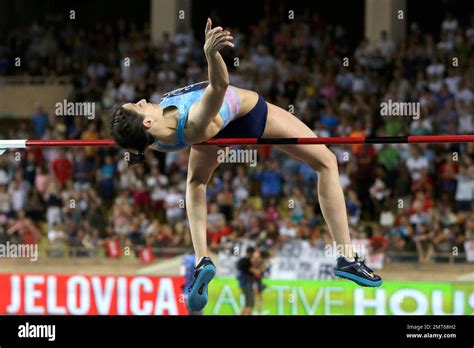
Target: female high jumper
{"x": 214, "y": 109}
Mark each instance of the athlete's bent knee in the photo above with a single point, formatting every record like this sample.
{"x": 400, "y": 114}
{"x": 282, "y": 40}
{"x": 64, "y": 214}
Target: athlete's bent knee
{"x": 327, "y": 161}
{"x": 196, "y": 183}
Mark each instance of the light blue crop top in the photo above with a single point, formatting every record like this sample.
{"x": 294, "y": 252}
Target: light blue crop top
{"x": 184, "y": 97}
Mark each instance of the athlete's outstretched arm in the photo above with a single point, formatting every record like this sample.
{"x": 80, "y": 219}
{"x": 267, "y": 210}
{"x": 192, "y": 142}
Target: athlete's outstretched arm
{"x": 201, "y": 165}
{"x": 209, "y": 105}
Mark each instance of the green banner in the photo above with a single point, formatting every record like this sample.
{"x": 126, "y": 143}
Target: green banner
{"x": 338, "y": 297}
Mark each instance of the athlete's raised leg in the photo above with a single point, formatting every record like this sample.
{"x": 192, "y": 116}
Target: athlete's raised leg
{"x": 282, "y": 124}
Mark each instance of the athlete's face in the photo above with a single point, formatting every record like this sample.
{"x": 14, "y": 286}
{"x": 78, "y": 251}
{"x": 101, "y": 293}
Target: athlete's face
{"x": 151, "y": 113}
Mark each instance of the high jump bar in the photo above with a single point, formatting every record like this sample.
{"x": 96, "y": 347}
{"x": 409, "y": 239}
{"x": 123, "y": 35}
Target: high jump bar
{"x": 410, "y": 139}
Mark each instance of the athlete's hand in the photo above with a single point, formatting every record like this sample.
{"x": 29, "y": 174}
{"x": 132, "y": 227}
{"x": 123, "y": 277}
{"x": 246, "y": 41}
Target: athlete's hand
{"x": 216, "y": 39}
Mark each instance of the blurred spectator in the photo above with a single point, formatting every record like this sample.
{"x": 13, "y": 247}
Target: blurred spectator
{"x": 287, "y": 229}
{"x": 386, "y": 46}
{"x": 246, "y": 278}
{"x": 424, "y": 243}
{"x": 62, "y": 168}
{"x": 106, "y": 178}
{"x": 53, "y": 204}
{"x": 416, "y": 163}
{"x": 56, "y": 238}
{"x": 401, "y": 235}
{"x": 259, "y": 262}
{"x": 378, "y": 242}
{"x": 465, "y": 186}
{"x": 83, "y": 171}
{"x": 40, "y": 121}
{"x": 174, "y": 205}
{"x": 270, "y": 179}
{"x": 23, "y": 230}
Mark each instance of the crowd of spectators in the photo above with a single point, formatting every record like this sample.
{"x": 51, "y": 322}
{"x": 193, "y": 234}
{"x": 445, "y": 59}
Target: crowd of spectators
{"x": 402, "y": 197}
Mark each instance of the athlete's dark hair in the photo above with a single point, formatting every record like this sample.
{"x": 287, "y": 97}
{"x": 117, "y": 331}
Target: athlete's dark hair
{"x": 126, "y": 128}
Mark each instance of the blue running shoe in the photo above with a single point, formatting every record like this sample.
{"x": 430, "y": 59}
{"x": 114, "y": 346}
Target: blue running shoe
{"x": 203, "y": 274}
{"x": 357, "y": 271}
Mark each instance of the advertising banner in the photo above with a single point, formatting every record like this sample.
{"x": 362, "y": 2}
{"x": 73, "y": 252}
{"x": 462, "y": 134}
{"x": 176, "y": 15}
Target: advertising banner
{"x": 336, "y": 297}
{"x": 90, "y": 295}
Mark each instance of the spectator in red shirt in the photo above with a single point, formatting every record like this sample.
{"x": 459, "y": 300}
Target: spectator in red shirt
{"x": 424, "y": 200}
{"x": 447, "y": 172}
{"x": 363, "y": 174}
{"x": 219, "y": 234}
{"x": 27, "y": 232}
{"x": 424, "y": 184}
{"x": 378, "y": 241}
{"x": 62, "y": 168}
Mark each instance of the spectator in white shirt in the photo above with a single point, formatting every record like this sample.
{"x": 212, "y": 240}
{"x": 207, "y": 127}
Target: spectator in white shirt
{"x": 464, "y": 92}
{"x": 436, "y": 68}
{"x": 452, "y": 80}
{"x": 446, "y": 44}
{"x": 416, "y": 163}
{"x": 287, "y": 229}
{"x": 386, "y": 46}
{"x": 18, "y": 190}
{"x": 174, "y": 206}
{"x": 56, "y": 238}
{"x": 449, "y": 25}
{"x": 465, "y": 186}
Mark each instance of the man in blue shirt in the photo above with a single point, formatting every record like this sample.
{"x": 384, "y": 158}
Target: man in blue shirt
{"x": 40, "y": 121}
{"x": 271, "y": 180}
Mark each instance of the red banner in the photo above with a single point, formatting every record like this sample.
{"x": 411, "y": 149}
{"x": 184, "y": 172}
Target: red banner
{"x": 147, "y": 255}
{"x": 91, "y": 295}
{"x": 112, "y": 247}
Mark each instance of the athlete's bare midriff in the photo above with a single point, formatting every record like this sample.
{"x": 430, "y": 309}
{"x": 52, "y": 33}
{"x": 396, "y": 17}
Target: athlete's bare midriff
{"x": 248, "y": 100}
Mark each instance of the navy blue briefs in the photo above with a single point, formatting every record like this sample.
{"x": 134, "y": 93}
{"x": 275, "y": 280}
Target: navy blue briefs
{"x": 250, "y": 125}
